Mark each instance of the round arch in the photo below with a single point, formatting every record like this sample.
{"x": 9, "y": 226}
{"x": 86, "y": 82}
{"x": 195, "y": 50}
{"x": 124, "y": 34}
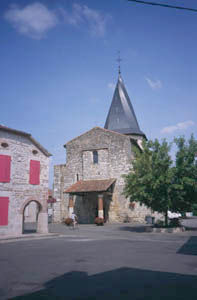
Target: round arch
{"x": 42, "y": 209}
{"x": 36, "y": 220}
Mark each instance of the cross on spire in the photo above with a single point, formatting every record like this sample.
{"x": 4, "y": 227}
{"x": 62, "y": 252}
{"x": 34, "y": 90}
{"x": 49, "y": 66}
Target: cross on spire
{"x": 119, "y": 60}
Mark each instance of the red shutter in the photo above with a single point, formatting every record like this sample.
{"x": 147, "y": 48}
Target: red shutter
{"x": 34, "y": 176}
{"x": 4, "y": 201}
{"x": 5, "y": 162}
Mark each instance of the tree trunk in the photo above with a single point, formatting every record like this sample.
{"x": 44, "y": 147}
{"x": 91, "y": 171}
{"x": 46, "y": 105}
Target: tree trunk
{"x": 166, "y": 218}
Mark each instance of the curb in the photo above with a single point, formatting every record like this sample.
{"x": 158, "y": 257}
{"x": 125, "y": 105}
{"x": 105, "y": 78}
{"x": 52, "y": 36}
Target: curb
{"x": 35, "y": 236}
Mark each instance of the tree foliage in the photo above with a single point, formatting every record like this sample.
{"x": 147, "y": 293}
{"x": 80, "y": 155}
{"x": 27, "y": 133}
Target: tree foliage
{"x": 185, "y": 174}
{"x": 155, "y": 182}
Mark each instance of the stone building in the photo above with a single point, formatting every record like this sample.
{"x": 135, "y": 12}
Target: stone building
{"x": 24, "y": 168}
{"x": 91, "y": 182}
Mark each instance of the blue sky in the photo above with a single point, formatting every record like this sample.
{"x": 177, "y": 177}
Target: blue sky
{"x": 58, "y": 67}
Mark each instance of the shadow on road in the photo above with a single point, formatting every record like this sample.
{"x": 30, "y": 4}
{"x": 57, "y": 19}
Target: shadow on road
{"x": 139, "y": 228}
{"x": 189, "y": 248}
{"x": 123, "y": 283}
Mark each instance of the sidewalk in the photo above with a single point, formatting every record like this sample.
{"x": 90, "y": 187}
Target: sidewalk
{"x": 61, "y": 230}
{"x": 30, "y": 236}
{"x": 95, "y": 232}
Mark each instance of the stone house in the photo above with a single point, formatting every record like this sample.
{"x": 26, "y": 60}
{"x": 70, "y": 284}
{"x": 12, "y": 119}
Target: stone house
{"x": 24, "y": 168}
{"x": 91, "y": 182}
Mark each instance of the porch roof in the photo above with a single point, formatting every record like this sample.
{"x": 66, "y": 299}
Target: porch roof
{"x": 85, "y": 186}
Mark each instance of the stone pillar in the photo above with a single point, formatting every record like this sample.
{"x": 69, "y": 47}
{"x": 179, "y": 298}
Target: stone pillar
{"x": 18, "y": 227}
{"x": 100, "y": 206}
{"x": 70, "y": 205}
{"x": 42, "y": 225}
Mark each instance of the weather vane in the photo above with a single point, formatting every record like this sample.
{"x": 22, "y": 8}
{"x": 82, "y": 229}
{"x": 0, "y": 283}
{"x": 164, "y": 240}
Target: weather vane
{"x": 119, "y": 60}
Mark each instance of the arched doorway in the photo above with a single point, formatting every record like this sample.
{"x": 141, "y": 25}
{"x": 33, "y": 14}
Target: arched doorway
{"x": 30, "y": 217}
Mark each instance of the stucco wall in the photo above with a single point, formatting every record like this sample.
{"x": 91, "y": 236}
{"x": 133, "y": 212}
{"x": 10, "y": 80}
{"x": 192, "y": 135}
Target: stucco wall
{"x": 18, "y": 189}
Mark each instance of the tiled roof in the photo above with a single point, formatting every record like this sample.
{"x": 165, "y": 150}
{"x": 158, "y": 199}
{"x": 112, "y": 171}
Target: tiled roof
{"x": 84, "y": 186}
{"x": 28, "y": 135}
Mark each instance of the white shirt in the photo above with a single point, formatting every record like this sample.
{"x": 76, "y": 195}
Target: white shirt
{"x": 73, "y": 216}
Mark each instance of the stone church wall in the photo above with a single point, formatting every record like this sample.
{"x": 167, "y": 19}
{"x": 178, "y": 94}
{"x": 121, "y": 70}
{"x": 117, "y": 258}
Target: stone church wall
{"x": 98, "y": 170}
{"x": 114, "y": 159}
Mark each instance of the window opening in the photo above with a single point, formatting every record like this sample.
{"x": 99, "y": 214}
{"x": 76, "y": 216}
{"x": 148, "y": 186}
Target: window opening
{"x": 5, "y": 165}
{"x": 4, "y": 203}
{"x": 4, "y": 145}
{"x": 95, "y": 157}
{"x": 34, "y": 177}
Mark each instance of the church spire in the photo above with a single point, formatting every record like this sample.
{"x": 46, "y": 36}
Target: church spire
{"x": 119, "y": 60}
{"x": 121, "y": 116}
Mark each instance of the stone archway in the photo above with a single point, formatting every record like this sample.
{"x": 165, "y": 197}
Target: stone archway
{"x": 30, "y": 216}
{"x": 37, "y": 214}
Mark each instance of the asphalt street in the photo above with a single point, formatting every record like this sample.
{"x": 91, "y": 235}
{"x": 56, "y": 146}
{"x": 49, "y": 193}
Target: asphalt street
{"x": 93, "y": 262}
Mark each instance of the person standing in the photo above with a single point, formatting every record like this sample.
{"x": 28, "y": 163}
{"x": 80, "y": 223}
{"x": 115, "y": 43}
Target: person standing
{"x": 74, "y": 219}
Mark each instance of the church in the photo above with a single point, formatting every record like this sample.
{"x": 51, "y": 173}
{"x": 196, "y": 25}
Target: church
{"x": 91, "y": 182}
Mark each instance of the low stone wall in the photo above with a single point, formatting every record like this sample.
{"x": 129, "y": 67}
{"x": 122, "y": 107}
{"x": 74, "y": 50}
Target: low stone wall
{"x": 165, "y": 230}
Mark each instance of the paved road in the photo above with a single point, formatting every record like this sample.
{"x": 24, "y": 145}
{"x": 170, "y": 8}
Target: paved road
{"x": 190, "y": 222}
{"x": 110, "y": 262}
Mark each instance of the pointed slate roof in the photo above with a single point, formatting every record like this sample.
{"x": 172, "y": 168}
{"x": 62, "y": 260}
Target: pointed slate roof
{"x": 121, "y": 116}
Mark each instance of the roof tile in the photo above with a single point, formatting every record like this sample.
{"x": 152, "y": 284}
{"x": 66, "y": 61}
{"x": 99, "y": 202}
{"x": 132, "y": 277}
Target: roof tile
{"x": 84, "y": 186}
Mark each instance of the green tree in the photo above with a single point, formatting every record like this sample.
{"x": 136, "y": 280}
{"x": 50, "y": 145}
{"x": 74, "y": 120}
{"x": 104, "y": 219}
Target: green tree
{"x": 185, "y": 174}
{"x": 150, "y": 179}
{"x": 155, "y": 182}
